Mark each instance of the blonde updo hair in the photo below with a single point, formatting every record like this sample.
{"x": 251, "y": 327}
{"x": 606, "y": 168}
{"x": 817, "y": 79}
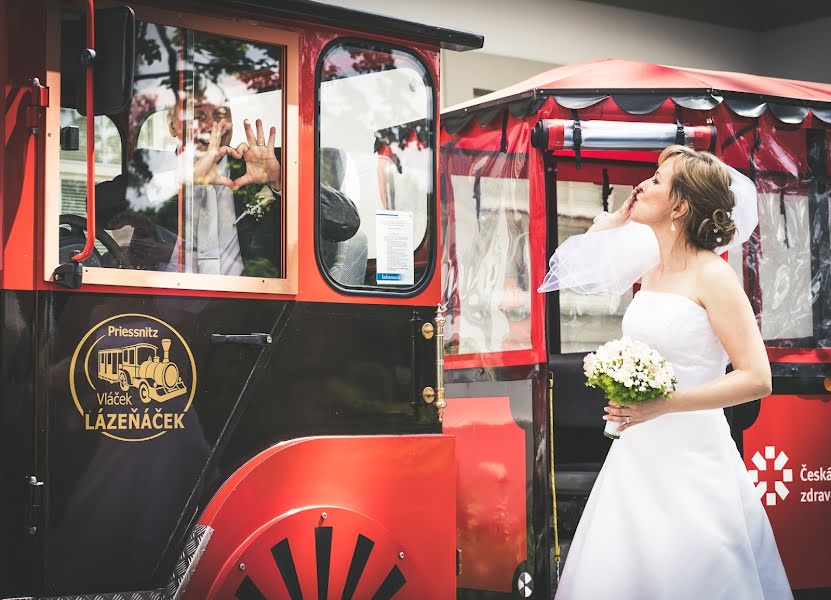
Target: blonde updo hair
{"x": 702, "y": 180}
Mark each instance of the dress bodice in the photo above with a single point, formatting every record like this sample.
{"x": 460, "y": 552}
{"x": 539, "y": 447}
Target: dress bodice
{"x": 680, "y": 330}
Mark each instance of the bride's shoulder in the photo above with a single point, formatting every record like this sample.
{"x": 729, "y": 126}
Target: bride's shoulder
{"x": 712, "y": 268}
{"x": 715, "y": 276}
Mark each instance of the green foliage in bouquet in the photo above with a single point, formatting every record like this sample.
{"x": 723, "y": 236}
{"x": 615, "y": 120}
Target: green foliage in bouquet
{"x": 617, "y": 393}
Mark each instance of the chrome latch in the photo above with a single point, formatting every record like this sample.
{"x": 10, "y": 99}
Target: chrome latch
{"x": 440, "y": 403}
{"x": 34, "y": 504}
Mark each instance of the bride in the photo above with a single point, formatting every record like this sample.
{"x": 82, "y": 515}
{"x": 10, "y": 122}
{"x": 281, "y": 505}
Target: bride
{"x": 673, "y": 514}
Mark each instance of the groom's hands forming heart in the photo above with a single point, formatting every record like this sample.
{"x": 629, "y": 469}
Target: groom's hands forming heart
{"x": 261, "y": 166}
{"x": 206, "y": 166}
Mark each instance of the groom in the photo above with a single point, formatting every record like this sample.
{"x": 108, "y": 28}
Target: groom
{"x": 233, "y": 195}
{"x": 234, "y": 227}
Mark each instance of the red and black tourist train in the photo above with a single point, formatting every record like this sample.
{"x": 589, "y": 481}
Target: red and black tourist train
{"x": 269, "y": 321}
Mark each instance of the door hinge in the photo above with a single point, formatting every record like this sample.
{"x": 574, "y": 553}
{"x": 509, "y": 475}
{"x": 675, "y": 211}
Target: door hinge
{"x": 35, "y": 492}
{"x": 458, "y": 562}
{"x": 38, "y": 102}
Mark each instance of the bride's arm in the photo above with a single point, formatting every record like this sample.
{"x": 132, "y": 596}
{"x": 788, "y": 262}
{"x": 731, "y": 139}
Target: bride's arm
{"x": 733, "y": 321}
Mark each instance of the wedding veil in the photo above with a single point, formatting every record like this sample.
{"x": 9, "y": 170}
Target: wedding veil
{"x": 612, "y": 260}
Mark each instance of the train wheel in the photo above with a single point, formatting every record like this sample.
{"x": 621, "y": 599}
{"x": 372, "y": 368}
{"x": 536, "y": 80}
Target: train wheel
{"x": 348, "y": 517}
{"x": 321, "y": 552}
{"x": 123, "y": 383}
{"x": 144, "y": 392}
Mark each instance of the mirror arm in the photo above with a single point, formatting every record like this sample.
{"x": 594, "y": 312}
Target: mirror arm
{"x": 87, "y": 59}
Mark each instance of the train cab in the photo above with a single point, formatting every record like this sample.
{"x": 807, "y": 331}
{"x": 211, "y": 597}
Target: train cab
{"x": 219, "y": 290}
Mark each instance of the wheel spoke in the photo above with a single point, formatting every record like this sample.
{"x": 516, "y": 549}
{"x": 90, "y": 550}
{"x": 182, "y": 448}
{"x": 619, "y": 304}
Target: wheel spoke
{"x": 393, "y": 582}
{"x": 323, "y": 556}
{"x": 248, "y": 590}
{"x": 282, "y": 557}
{"x": 363, "y": 548}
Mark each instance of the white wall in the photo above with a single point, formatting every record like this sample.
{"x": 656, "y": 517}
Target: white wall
{"x": 567, "y": 31}
{"x": 463, "y": 72}
{"x": 798, "y": 52}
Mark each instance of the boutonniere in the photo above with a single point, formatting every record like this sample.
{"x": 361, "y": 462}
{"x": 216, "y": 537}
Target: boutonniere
{"x": 256, "y": 203}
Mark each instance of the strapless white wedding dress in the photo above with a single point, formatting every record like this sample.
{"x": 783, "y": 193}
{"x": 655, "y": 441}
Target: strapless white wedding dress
{"x": 673, "y": 514}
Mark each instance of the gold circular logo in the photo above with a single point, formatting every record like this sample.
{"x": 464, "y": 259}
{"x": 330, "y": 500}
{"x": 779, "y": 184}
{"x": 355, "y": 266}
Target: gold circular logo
{"x": 132, "y": 378}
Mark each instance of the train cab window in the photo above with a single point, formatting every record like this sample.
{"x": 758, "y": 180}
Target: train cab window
{"x": 376, "y": 167}
{"x": 587, "y": 320}
{"x": 189, "y": 178}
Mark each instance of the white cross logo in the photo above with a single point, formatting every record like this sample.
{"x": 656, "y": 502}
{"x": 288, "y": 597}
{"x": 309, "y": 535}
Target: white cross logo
{"x": 779, "y": 487}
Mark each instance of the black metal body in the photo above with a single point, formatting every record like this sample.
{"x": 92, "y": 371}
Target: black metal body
{"x": 18, "y": 425}
{"x": 116, "y": 512}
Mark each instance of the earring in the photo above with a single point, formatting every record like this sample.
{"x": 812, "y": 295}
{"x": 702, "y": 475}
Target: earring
{"x": 672, "y": 227}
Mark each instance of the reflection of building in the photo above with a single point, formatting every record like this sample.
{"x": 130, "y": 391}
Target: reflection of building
{"x": 74, "y": 163}
{"x": 139, "y": 366}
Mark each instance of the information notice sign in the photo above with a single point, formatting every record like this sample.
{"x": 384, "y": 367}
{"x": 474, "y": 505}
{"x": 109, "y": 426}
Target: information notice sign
{"x": 394, "y": 245}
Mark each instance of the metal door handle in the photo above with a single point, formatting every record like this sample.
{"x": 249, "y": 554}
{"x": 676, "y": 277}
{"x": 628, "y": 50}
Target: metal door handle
{"x": 253, "y": 339}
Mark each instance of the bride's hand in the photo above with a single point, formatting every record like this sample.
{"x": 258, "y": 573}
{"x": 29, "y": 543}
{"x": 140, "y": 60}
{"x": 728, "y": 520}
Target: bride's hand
{"x": 623, "y": 214}
{"x": 617, "y": 218}
{"x": 633, "y": 414}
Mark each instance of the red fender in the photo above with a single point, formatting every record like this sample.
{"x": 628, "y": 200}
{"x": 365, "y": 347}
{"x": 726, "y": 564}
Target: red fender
{"x": 343, "y": 517}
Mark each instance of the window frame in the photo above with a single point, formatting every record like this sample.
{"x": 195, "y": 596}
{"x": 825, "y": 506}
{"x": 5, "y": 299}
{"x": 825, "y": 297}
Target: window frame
{"x": 431, "y": 230}
{"x": 249, "y": 31}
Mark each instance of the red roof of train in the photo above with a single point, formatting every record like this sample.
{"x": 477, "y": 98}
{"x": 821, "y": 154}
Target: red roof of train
{"x": 608, "y": 76}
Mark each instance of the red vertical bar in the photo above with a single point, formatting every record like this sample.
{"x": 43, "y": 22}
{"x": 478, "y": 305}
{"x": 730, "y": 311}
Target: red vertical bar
{"x": 90, "y": 88}
{"x": 4, "y": 78}
{"x": 180, "y": 112}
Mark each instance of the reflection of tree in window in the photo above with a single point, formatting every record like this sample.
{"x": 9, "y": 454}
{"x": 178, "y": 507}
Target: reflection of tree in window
{"x": 212, "y": 56}
{"x": 255, "y": 65}
{"x": 175, "y": 68}
{"x": 346, "y": 62}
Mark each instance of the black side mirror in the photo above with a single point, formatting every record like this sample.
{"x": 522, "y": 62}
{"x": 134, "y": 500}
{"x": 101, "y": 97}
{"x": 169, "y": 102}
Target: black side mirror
{"x": 114, "y": 62}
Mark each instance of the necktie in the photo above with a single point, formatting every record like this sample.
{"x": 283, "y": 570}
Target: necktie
{"x": 216, "y": 246}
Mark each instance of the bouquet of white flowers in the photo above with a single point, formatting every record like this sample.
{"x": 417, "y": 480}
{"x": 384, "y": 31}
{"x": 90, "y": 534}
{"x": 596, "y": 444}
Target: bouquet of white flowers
{"x": 628, "y": 371}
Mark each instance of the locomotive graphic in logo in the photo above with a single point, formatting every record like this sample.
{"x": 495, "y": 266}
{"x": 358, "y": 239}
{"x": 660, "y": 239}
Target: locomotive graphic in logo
{"x": 132, "y": 378}
{"x": 138, "y": 366}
